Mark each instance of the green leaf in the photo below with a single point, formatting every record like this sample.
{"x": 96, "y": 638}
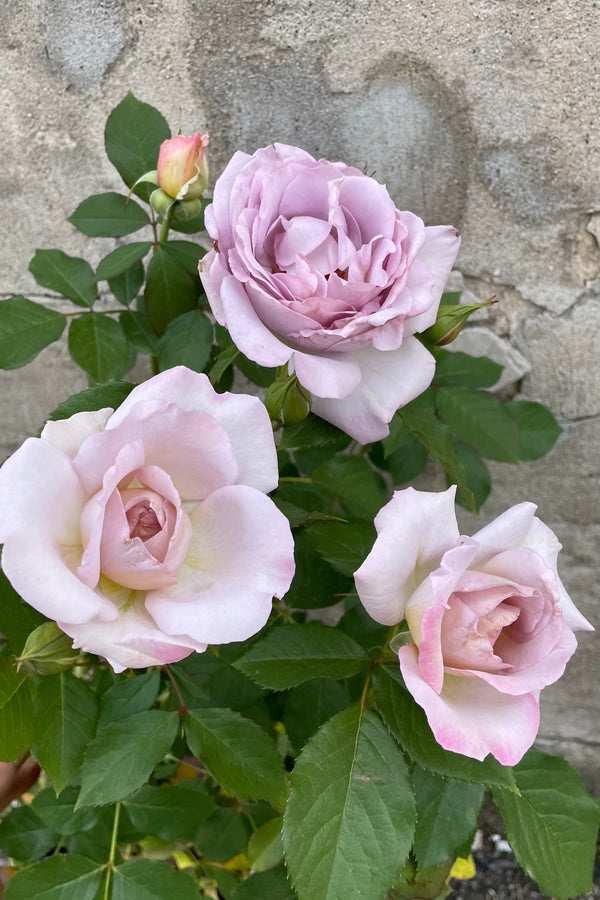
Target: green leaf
{"x": 353, "y": 480}
{"x": 308, "y": 706}
{"x": 170, "y": 291}
{"x": 143, "y": 879}
{"x": 460, "y": 368}
{"x": 316, "y": 584}
{"x": 25, "y": 836}
{"x": 56, "y": 878}
{"x": 537, "y": 427}
{"x": 447, "y": 813}
{"x": 313, "y": 432}
{"x": 67, "y": 275}
{"x": 407, "y": 722}
{"x": 66, "y": 714}
{"x": 211, "y": 680}
{"x": 265, "y": 848}
{"x": 171, "y": 812}
{"x": 238, "y": 754}
{"x": 25, "y": 329}
{"x": 552, "y": 825}
{"x": 121, "y": 757}
{"x": 121, "y": 259}
{"x": 351, "y": 803}
{"x": 98, "y": 345}
{"x": 272, "y": 885}
{"x": 420, "y": 419}
{"x": 17, "y": 618}
{"x": 186, "y": 342}
{"x": 101, "y": 396}
{"x": 138, "y": 331}
{"x": 95, "y": 843}
{"x": 126, "y": 286}
{"x": 58, "y": 813}
{"x": 478, "y": 479}
{"x": 222, "y": 836}
{"x": 108, "y": 215}
{"x": 16, "y": 712}
{"x": 292, "y": 654}
{"x": 186, "y": 253}
{"x": 479, "y": 419}
{"x": 222, "y": 362}
{"x": 133, "y": 134}
{"x": 344, "y": 545}
{"x": 129, "y": 696}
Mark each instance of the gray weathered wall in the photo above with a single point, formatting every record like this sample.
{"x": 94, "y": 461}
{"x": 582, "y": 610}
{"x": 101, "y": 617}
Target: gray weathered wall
{"x": 480, "y": 113}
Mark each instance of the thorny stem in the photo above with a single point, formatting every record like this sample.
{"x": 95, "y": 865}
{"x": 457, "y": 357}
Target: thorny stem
{"x": 166, "y": 224}
{"x": 182, "y": 706}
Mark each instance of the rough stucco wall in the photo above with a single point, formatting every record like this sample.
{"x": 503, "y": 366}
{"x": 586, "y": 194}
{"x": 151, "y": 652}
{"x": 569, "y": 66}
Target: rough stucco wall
{"x": 481, "y": 113}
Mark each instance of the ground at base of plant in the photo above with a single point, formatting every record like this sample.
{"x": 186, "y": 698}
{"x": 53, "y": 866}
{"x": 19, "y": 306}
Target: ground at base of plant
{"x": 499, "y": 876}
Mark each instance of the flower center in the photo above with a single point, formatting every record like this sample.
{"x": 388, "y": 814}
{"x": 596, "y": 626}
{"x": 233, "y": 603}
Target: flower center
{"x": 142, "y": 520}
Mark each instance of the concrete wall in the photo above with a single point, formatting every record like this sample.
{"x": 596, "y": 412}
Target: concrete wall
{"x": 480, "y": 113}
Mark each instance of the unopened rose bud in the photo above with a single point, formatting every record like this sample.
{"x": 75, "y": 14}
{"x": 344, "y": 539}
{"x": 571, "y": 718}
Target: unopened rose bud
{"x": 182, "y": 169}
{"x": 187, "y": 209}
{"x": 161, "y": 202}
{"x": 450, "y": 321}
{"x": 287, "y": 400}
{"x": 47, "y": 651}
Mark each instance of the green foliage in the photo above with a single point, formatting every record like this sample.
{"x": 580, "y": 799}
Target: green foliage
{"x": 67, "y": 275}
{"x": 447, "y": 813}
{"x": 132, "y": 137}
{"x": 551, "y": 824}
{"x": 123, "y": 754}
{"x": 65, "y": 723}
{"x": 128, "y": 697}
{"x": 186, "y": 342}
{"x": 108, "y": 215}
{"x": 290, "y": 655}
{"x": 144, "y": 879}
{"x": 126, "y": 286}
{"x": 238, "y": 754}
{"x": 16, "y": 711}
{"x": 171, "y": 812}
{"x": 56, "y": 878}
{"x": 121, "y": 259}
{"x": 351, "y": 801}
{"x": 25, "y": 836}
{"x": 25, "y": 329}
{"x": 170, "y": 291}
{"x": 479, "y": 419}
{"x": 537, "y": 427}
{"x": 99, "y": 346}
{"x": 461, "y": 369}
{"x": 101, "y": 396}
{"x": 343, "y": 545}
{"x": 17, "y": 618}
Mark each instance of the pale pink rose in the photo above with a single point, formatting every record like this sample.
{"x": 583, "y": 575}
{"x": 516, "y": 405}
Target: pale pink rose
{"x": 314, "y": 268}
{"x": 182, "y": 170}
{"x": 146, "y": 532}
{"x": 490, "y": 620}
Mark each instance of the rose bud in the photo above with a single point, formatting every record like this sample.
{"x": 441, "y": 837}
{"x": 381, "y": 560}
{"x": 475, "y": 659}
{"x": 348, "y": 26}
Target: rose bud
{"x": 182, "y": 169}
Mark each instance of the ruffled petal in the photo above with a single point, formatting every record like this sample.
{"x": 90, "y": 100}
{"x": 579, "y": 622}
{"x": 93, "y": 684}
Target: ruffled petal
{"x": 414, "y": 530}
{"x": 69, "y": 434}
{"x": 438, "y": 252}
{"x": 471, "y": 717}
{"x": 389, "y": 380}
{"x": 241, "y": 555}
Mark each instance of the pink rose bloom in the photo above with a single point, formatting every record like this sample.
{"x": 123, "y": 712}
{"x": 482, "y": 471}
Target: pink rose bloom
{"x": 182, "y": 170}
{"x": 146, "y": 532}
{"x": 316, "y": 269}
{"x": 490, "y": 619}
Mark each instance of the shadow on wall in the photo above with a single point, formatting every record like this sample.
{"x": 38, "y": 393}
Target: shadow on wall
{"x": 409, "y": 131}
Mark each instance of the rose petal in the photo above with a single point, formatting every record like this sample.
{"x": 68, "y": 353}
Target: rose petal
{"x": 439, "y": 253}
{"x": 389, "y": 380}
{"x": 507, "y": 530}
{"x": 333, "y": 375}
{"x": 241, "y": 555}
{"x": 132, "y": 640}
{"x": 244, "y": 419}
{"x": 69, "y": 434}
{"x": 471, "y": 717}
{"x": 414, "y": 530}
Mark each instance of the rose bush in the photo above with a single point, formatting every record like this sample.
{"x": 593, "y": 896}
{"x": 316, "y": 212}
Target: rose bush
{"x": 490, "y": 619}
{"x": 146, "y": 532}
{"x": 314, "y": 268}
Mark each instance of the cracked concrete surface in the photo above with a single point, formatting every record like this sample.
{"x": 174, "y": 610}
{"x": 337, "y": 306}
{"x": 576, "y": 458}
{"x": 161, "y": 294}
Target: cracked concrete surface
{"x": 483, "y": 114}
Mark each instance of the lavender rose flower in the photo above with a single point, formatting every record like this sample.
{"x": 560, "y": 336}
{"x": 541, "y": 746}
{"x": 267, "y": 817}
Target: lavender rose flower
{"x": 314, "y": 267}
{"x": 146, "y": 532}
{"x": 490, "y": 619}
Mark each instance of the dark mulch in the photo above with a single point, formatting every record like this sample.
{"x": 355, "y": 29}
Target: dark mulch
{"x": 499, "y": 875}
